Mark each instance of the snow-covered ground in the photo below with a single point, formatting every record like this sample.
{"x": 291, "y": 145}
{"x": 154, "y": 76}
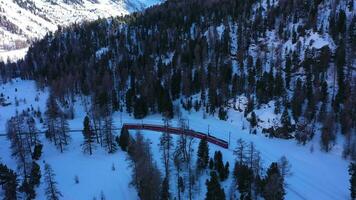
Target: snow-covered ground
{"x": 316, "y": 175}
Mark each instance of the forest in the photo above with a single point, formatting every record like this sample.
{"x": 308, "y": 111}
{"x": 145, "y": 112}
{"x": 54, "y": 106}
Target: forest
{"x": 198, "y": 55}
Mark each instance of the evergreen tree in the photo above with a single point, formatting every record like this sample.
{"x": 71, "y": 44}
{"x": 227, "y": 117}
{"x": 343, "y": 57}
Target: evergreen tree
{"x": 35, "y": 174}
{"x": 9, "y": 182}
{"x": 140, "y": 108}
{"x": 28, "y": 189}
{"x": 124, "y": 139}
{"x": 37, "y": 151}
{"x": 203, "y": 154}
{"x": 222, "y": 114}
{"x": 88, "y": 136}
{"x": 211, "y": 164}
{"x": 253, "y": 120}
{"x": 273, "y": 184}
{"x": 115, "y": 102}
{"x": 219, "y": 165}
{"x": 244, "y": 177}
{"x": 286, "y": 122}
{"x": 214, "y": 190}
{"x": 297, "y": 100}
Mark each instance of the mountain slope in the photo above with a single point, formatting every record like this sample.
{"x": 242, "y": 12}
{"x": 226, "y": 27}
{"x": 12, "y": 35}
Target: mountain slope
{"x": 23, "y": 21}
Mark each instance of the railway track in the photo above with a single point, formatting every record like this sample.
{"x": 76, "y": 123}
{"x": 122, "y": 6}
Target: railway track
{"x": 177, "y": 131}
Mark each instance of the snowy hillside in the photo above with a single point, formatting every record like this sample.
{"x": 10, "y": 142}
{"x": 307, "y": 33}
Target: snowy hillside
{"x": 310, "y": 165}
{"x": 271, "y": 82}
{"x": 23, "y": 21}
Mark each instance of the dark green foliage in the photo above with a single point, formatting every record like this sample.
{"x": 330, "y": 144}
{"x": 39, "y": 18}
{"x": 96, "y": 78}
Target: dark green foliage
{"x": 135, "y": 67}
{"x": 211, "y": 164}
{"x": 222, "y": 114}
{"x": 214, "y": 190}
{"x": 28, "y": 189}
{"x": 203, "y": 154}
{"x": 124, "y": 139}
{"x": 37, "y": 152}
{"x": 9, "y": 182}
{"x": 140, "y": 108}
{"x": 244, "y": 177}
{"x": 227, "y": 169}
{"x": 88, "y": 136}
{"x": 35, "y": 178}
{"x": 297, "y": 100}
{"x": 219, "y": 165}
{"x": 130, "y": 94}
{"x": 286, "y": 122}
{"x": 115, "y": 102}
{"x": 273, "y": 184}
{"x": 253, "y": 119}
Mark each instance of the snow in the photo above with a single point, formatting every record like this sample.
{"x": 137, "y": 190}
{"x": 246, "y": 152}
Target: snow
{"x": 46, "y": 16}
{"x": 220, "y": 29}
{"x": 101, "y": 52}
{"x": 13, "y": 55}
{"x": 316, "y": 174}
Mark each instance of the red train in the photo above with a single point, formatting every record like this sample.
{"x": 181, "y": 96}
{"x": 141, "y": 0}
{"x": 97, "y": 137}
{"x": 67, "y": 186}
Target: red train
{"x": 178, "y": 131}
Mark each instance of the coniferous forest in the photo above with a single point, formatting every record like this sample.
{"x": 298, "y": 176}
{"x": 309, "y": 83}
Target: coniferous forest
{"x": 208, "y": 56}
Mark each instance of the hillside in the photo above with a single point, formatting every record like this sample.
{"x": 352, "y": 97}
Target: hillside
{"x": 24, "y": 21}
{"x": 275, "y": 78}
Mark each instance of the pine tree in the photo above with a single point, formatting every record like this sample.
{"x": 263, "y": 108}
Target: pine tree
{"x": 37, "y": 151}
{"x": 211, "y": 164}
{"x": 286, "y": 122}
{"x": 297, "y": 100}
{"x": 244, "y": 177}
{"x": 28, "y": 189}
{"x": 124, "y": 139}
{"x": 222, "y": 114}
{"x": 140, "y": 108}
{"x": 9, "y": 182}
{"x": 35, "y": 178}
{"x": 88, "y": 137}
{"x": 214, "y": 190}
{"x": 51, "y": 190}
{"x": 253, "y": 120}
{"x": 274, "y": 184}
{"x": 219, "y": 165}
{"x": 203, "y": 154}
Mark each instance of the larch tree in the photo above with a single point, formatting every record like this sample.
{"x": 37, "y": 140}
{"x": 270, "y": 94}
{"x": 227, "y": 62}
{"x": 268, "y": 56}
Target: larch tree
{"x": 51, "y": 190}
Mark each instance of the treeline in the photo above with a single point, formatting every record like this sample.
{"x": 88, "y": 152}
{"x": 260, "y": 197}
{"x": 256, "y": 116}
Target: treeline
{"x": 143, "y": 62}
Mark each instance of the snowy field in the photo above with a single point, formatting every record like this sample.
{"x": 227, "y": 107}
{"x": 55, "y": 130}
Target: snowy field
{"x": 316, "y": 175}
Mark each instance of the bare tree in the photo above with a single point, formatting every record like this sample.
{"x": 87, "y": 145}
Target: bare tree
{"x": 51, "y": 190}
{"x": 20, "y": 145}
{"x": 166, "y": 145}
{"x": 240, "y": 151}
{"x": 146, "y": 175}
{"x": 284, "y": 167}
{"x": 109, "y": 140}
